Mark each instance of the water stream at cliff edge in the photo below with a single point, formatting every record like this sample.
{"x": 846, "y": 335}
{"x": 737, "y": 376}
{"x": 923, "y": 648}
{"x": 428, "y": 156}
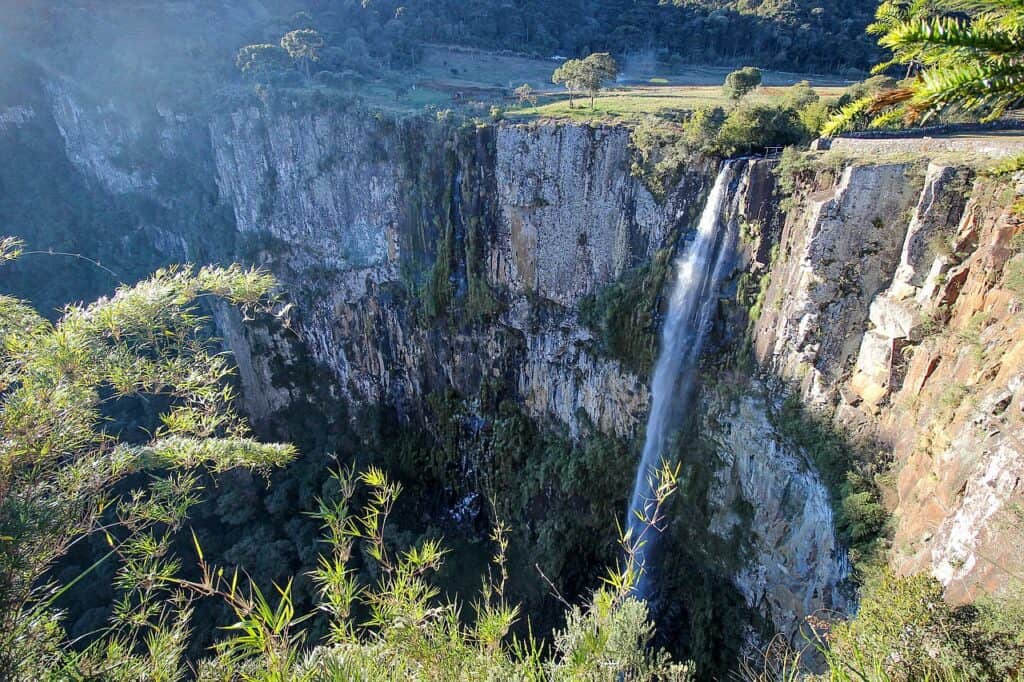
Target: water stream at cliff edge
{"x": 693, "y": 300}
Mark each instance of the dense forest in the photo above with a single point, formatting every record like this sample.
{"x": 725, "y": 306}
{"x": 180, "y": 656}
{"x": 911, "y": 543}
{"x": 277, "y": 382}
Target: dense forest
{"x": 788, "y": 34}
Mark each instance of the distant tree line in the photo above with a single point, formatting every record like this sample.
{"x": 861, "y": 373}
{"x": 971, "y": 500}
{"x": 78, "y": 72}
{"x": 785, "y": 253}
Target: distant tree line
{"x": 825, "y": 35}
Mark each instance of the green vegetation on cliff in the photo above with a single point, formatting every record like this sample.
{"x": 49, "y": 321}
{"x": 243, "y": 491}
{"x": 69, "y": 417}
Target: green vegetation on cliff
{"x": 850, "y": 476}
{"x": 625, "y": 312}
{"x": 662, "y": 149}
{"x": 560, "y": 496}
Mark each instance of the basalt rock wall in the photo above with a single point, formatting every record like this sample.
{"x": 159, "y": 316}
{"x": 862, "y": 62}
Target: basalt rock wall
{"x": 422, "y": 255}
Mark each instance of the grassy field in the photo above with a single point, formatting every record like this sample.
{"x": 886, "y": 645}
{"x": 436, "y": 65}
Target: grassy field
{"x": 475, "y": 68}
{"x": 450, "y": 77}
{"x": 632, "y": 102}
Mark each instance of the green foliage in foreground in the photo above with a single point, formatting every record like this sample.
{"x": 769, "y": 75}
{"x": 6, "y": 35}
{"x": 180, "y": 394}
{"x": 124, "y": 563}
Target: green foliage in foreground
{"x": 400, "y": 628}
{"x": 561, "y": 497}
{"x": 60, "y": 459}
{"x": 965, "y": 56}
{"x": 905, "y": 631}
{"x": 61, "y": 455}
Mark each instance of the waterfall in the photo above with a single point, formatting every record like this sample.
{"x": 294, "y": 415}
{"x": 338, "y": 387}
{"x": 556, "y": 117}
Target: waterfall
{"x": 699, "y": 270}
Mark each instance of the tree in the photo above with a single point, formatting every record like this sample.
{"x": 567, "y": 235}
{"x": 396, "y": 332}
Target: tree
{"x": 741, "y": 81}
{"x": 701, "y": 130}
{"x": 889, "y": 16}
{"x": 799, "y": 96}
{"x": 262, "y": 61}
{"x": 303, "y": 46}
{"x": 569, "y": 74}
{"x": 526, "y": 94}
{"x": 586, "y": 75}
{"x": 967, "y": 54}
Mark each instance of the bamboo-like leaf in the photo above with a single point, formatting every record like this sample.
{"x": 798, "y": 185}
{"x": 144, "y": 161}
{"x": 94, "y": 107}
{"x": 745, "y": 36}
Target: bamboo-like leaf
{"x": 951, "y": 32}
{"x": 847, "y": 117}
{"x": 199, "y": 549}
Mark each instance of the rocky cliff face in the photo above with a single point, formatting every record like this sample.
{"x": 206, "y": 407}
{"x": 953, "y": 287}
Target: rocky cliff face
{"x": 348, "y": 208}
{"x": 839, "y": 248}
{"x": 422, "y": 255}
{"x": 794, "y": 564}
{"x": 131, "y": 187}
{"x": 895, "y": 307}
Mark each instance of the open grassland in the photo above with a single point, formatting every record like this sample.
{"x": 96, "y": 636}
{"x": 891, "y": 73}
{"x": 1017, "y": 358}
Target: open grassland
{"x": 490, "y": 69}
{"x": 624, "y": 103}
{"x": 477, "y": 68}
{"x": 632, "y": 102}
{"x": 450, "y": 77}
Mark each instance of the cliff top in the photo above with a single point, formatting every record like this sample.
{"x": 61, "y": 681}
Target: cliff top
{"x": 968, "y": 145}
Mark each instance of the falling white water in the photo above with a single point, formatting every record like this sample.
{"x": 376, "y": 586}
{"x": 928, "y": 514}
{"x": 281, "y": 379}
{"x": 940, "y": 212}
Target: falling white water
{"x": 694, "y": 297}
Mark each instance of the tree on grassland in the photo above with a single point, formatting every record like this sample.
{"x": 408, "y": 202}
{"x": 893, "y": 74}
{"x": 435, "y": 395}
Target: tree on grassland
{"x": 586, "y": 75}
{"x": 299, "y": 49}
{"x": 526, "y": 94}
{"x": 303, "y": 46}
{"x": 741, "y": 81}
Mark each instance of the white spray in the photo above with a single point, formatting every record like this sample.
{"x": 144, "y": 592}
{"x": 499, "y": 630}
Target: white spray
{"x": 694, "y": 297}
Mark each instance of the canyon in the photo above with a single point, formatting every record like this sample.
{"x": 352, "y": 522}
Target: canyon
{"x": 453, "y": 272}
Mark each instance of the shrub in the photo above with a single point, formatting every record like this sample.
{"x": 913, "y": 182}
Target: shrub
{"x": 793, "y": 165}
{"x": 799, "y": 96}
{"x": 701, "y": 130}
{"x": 1015, "y": 277}
{"x": 904, "y": 630}
{"x": 814, "y": 116}
{"x": 62, "y": 456}
{"x": 659, "y": 155}
{"x": 863, "y": 516}
{"x": 864, "y": 88}
{"x": 526, "y": 95}
{"x": 755, "y": 125}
